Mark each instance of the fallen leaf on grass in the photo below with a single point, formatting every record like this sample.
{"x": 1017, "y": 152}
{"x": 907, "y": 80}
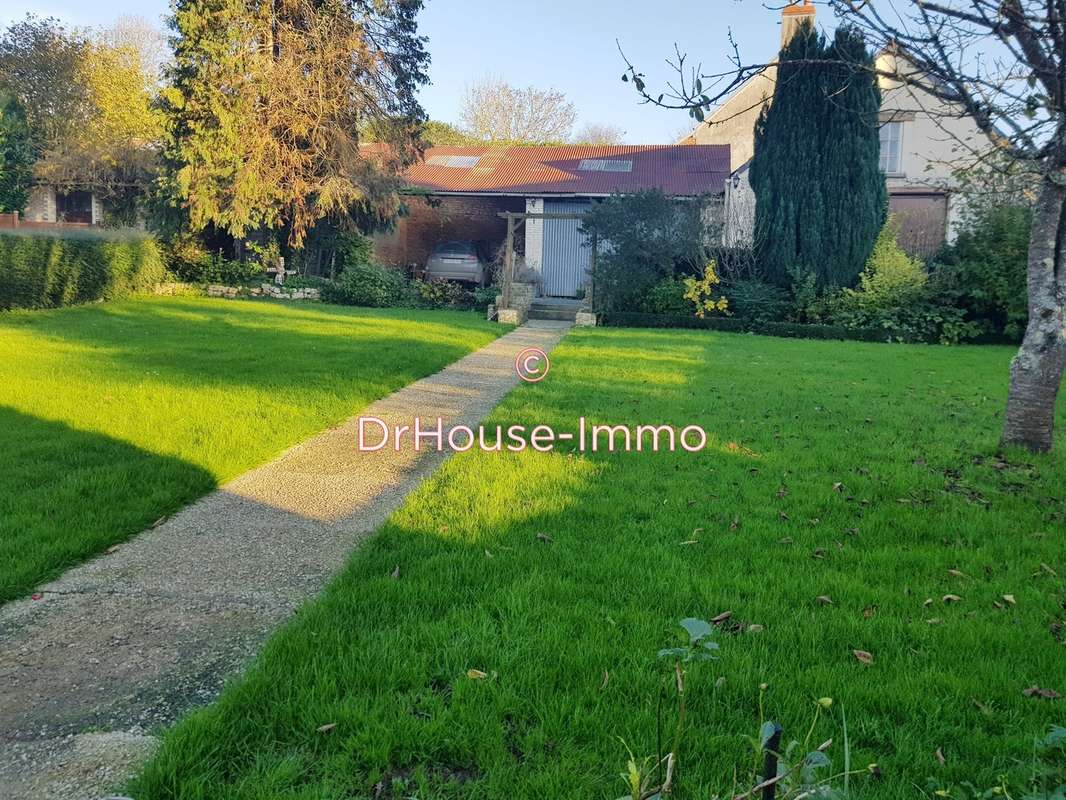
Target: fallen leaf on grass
{"x": 951, "y": 598}
{"x": 863, "y": 657}
{"x": 327, "y": 727}
{"x": 934, "y": 621}
{"x": 838, "y": 487}
{"x": 782, "y": 492}
{"x": 691, "y": 541}
{"x": 955, "y": 573}
{"x": 927, "y": 602}
{"x": 476, "y": 675}
{"x": 940, "y": 757}
{"x": 543, "y": 537}
{"x": 734, "y": 524}
{"x": 824, "y": 599}
{"x": 488, "y": 554}
{"x": 1048, "y": 570}
{"x": 786, "y": 540}
{"x": 755, "y": 628}
{"x": 159, "y": 522}
{"x": 869, "y": 612}
{"x": 721, "y": 618}
{"x": 1037, "y": 691}
{"x": 819, "y": 553}
{"x": 606, "y": 680}
{"x": 1009, "y": 598}
{"x": 396, "y": 573}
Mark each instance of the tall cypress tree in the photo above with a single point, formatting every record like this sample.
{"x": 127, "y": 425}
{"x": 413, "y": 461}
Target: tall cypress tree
{"x": 819, "y": 192}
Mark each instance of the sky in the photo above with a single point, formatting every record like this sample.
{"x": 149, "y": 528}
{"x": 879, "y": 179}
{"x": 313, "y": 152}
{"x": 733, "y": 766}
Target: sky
{"x": 568, "y": 45}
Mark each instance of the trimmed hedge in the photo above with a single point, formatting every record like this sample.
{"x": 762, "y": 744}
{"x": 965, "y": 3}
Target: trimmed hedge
{"x": 45, "y": 270}
{"x": 790, "y": 330}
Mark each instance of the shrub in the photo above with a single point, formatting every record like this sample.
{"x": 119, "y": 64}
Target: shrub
{"x": 895, "y": 295}
{"x": 355, "y": 249}
{"x": 216, "y": 268}
{"x": 646, "y": 238}
{"x": 891, "y": 278}
{"x": 42, "y": 270}
{"x": 701, "y": 292}
{"x": 623, "y": 319}
{"x": 367, "y": 285}
{"x": 758, "y": 301}
{"x": 987, "y": 268}
{"x": 667, "y": 297}
{"x": 484, "y": 297}
{"x": 438, "y": 294}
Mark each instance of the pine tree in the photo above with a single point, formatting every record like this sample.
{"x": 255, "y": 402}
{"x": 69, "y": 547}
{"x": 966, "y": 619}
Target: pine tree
{"x": 820, "y": 196}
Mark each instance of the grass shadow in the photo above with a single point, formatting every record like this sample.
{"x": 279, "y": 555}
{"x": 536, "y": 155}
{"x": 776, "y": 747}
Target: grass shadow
{"x": 67, "y": 494}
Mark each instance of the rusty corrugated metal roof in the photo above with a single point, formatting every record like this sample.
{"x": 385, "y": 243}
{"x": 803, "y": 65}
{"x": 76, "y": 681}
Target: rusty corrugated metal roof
{"x": 678, "y": 170}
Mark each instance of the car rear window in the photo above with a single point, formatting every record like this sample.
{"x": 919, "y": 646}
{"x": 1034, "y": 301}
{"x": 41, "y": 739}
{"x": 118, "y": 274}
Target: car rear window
{"x": 456, "y": 248}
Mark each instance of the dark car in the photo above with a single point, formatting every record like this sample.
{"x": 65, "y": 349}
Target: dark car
{"x": 457, "y": 261}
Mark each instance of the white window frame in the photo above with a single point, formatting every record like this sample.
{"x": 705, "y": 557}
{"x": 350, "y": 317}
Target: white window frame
{"x": 891, "y": 161}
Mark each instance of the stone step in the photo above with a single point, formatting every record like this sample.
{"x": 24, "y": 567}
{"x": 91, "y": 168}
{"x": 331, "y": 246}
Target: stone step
{"x": 543, "y": 312}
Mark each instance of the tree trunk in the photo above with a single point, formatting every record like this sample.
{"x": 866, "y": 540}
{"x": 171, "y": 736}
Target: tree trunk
{"x": 1036, "y": 372}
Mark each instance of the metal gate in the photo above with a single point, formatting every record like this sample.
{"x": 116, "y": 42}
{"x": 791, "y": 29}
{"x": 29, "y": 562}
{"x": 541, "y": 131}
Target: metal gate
{"x": 566, "y": 256}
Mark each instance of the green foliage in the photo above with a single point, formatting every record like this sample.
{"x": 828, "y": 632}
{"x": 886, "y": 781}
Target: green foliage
{"x": 216, "y": 268}
{"x": 16, "y": 155}
{"x": 441, "y": 134}
{"x": 42, "y": 271}
{"x": 666, "y": 297}
{"x": 790, "y": 330}
{"x": 757, "y": 300}
{"x": 367, "y": 285}
{"x": 437, "y": 294}
{"x": 820, "y": 195}
{"x": 895, "y": 294}
{"x": 891, "y": 277}
{"x": 484, "y": 296}
{"x": 645, "y": 238}
{"x": 987, "y": 267}
{"x": 1047, "y": 779}
{"x": 354, "y": 249}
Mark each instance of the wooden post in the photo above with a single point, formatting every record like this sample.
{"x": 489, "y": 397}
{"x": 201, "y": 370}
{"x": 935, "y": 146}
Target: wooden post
{"x": 508, "y": 262}
{"x": 769, "y": 772}
{"x": 590, "y": 296}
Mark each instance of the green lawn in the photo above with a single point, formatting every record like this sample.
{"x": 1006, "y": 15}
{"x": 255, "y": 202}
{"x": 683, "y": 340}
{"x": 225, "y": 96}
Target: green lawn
{"x": 861, "y": 472}
{"x": 114, "y": 415}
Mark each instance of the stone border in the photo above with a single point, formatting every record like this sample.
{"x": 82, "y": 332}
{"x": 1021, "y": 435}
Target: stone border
{"x": 176, "y": 288}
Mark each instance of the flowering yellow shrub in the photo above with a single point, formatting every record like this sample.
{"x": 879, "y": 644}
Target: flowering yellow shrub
{"x": 701, "y": 292}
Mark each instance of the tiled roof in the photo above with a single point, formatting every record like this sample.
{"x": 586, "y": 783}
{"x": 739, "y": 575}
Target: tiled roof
{"x": 678, "y": 170}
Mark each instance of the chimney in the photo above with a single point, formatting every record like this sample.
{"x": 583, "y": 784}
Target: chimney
{"x": 794, "y": 15}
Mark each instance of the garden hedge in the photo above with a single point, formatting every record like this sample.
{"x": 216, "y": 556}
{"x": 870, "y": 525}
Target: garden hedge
{"x": 790, "y": 330}
{"x": 54, "y": 269}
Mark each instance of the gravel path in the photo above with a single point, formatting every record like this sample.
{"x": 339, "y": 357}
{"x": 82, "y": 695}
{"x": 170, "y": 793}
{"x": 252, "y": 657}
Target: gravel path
{"x": 129, "y": 642}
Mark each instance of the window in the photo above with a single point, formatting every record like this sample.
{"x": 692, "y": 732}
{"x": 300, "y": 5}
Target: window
{"x": 458, "y": 162}
{"x": 74, "y": 207}
{"x": 605, "y": 165}
{"x": 892, "y": 148}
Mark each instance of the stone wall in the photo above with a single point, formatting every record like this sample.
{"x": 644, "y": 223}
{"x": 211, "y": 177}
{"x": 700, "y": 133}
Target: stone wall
{"x": 218, "y": 290}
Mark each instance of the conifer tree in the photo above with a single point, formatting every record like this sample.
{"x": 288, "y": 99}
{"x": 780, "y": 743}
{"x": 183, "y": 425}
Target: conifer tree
{"x": 265, "y": 105}
{"x": 819, "y": 193}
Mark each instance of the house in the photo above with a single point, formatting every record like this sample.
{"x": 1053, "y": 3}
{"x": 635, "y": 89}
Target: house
{"x": 465, "y": 189}
{"x": 48, "y": 206}
{"x": 923, "y": 141}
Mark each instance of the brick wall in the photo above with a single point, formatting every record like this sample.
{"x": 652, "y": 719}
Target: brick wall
{"x": 470, "y": 218}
